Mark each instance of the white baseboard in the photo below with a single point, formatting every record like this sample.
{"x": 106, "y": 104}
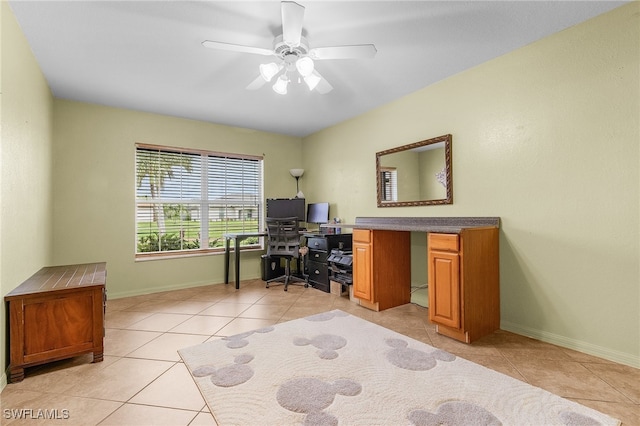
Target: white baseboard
{"x": 577, "y": 345}
{"x": 134, "y": 292}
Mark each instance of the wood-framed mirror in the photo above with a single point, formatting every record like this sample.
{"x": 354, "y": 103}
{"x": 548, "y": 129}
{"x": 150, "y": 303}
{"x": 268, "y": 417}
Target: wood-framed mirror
{"x": 417, "y": 174}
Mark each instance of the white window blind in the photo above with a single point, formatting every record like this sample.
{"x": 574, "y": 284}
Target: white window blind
{"x": 186, "y": 200}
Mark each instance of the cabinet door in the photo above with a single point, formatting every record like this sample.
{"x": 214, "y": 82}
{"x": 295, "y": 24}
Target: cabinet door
{"x": 362, "y": 271}
{"x": 444, "y": 288}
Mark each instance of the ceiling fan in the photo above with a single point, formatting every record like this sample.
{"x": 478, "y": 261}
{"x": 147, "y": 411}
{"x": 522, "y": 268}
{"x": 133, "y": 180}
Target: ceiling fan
{"x": 293, "y": 54}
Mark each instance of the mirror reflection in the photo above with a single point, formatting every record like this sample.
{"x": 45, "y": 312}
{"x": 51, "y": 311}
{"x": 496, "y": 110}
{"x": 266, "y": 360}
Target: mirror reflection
{"x": 415, "y": 174}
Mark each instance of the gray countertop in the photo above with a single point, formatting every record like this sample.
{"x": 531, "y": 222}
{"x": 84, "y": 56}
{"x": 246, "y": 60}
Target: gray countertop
{"x": 445, "y": 225}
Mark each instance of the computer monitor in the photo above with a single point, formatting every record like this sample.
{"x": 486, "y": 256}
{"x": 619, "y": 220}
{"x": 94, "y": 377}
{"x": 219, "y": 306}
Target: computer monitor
{"x": 286, "y": 207}
{"x": 318, "y": 213}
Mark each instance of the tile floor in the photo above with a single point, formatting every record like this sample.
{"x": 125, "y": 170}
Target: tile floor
{"x": 142, "y": 380}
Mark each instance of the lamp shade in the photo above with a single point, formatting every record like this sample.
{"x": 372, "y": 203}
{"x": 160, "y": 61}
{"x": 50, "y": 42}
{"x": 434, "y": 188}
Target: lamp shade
{"x": 296, "y": 172}
{"x": 280, "y": 87}
{"x": 305, "y": 66}
{"x": 268, "y": 71}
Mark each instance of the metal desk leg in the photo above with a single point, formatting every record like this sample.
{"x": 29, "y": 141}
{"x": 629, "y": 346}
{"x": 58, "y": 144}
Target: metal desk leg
{"x": 226, "y": 260}
{"x": 236, "y": 250}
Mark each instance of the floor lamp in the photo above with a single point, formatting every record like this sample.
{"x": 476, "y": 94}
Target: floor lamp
{"x": 296, "y": 173}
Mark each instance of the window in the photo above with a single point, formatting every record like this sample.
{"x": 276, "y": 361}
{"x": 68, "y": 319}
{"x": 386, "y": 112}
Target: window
{"x": 186, "y": 200}
{"x": 389, "y": 179}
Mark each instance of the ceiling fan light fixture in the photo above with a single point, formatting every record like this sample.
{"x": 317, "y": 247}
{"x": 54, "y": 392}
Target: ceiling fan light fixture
{"x": 268, "y": 71}
{"x": 280, "y": 87}
{"x": 312, "y": 80}
{"x": 305, "y": 66}
{"x": 293, "y": 55}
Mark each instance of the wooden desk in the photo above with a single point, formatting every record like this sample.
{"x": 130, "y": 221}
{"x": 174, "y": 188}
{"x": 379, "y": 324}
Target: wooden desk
{"x": 236, "y": 237}
{"x": 57, "y": 313}
{"x": 463, "y": 260}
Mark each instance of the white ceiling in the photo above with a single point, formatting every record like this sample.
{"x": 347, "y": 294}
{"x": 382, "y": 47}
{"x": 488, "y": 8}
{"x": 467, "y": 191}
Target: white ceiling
{"x": 147, "y": 55}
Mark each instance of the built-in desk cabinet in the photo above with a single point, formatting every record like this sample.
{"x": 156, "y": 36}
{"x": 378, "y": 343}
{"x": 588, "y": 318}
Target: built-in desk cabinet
{"x": 463, "y": 269}
{"x": 464, "y": 290}
{"x": 381, "y": 268}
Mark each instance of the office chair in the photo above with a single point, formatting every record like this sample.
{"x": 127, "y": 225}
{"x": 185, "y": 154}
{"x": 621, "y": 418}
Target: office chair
{"x": 283, "y": 241}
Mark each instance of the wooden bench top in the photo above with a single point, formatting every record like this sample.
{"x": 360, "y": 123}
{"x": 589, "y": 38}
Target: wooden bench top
{"x": 61, "y": 278}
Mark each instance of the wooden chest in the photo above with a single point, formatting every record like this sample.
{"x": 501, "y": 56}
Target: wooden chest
{"x": 57, "y": 313}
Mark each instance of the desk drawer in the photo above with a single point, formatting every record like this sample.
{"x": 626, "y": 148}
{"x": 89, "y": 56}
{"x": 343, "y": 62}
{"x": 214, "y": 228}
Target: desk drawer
{"x": 318, "y": 272}
{"x": 318, "y": 256}
{"x": 448, "y": 242}
{"x": 317, "y": 243}
{"x": 362, "y": 235}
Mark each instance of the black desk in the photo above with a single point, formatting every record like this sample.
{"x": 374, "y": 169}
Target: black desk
{"x": 320, "y": 246}
{"x": 237, "y": 237}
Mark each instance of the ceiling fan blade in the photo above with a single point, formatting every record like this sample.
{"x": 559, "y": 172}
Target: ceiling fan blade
{"x": 257, "y": 83}
{"x": 323, "y": 86}
{"x": 236, "y": 48}
{"x": 359, "y": 51}
{"x": 292, "y": 15}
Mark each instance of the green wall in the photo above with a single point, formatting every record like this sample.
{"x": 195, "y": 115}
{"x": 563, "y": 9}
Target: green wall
{"x": 26, "y": 107}
{"x": 94, "y": 190}
{"x": 546, "y": 137}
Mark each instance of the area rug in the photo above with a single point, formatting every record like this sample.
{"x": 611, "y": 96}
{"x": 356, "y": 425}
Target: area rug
{"x": 337, "y": 369}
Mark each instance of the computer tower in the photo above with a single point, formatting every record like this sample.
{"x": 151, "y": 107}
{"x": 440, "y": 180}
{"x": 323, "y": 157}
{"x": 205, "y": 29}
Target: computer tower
{"x": 272, "y": 267}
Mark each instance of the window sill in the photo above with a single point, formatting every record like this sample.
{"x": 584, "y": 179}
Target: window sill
{"x": 144, "y": 257}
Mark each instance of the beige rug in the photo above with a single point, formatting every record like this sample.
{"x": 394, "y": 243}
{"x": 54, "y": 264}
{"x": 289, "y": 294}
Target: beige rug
{"x": 337, "y": 369}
